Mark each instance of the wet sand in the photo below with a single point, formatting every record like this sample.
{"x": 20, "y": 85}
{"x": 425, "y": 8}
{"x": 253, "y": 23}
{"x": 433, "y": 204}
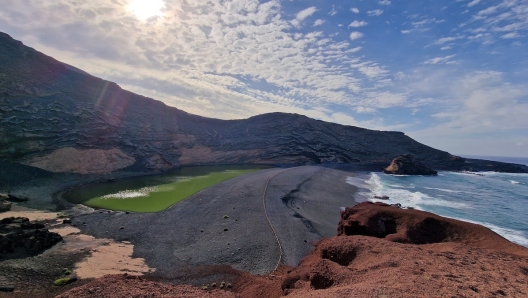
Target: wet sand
{"x": 226, "y": 224}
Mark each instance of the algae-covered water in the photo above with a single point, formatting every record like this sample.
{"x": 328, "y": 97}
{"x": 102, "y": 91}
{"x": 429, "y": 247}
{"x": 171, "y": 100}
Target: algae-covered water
{"x": 154, "y": 193}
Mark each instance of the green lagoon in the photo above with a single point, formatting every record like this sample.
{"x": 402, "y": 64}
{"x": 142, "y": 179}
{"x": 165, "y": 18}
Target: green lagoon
{"x": 154, "y": 193}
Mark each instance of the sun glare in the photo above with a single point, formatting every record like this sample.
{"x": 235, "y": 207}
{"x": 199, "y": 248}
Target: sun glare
{"x": 145, "y": 9}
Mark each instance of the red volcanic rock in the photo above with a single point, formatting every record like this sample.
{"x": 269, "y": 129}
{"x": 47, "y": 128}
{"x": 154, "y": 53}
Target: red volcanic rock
{"x": 418, "y": 227}
{"x": 437, "y": 257}
{"x": 382, "y": 268}
{"x": 407, "y": 165}
{"x": 116, "y": 286}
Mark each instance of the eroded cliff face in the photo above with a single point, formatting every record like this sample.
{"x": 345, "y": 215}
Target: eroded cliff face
{"x": 61, "y": 119}
{"x": 89, "y": 161}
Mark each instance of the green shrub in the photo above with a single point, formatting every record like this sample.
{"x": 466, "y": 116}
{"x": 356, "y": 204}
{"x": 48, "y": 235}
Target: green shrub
{"x": 64, "y": 281}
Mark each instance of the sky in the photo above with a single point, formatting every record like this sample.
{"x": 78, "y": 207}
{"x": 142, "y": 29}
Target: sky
{"x": 451, "y": 74}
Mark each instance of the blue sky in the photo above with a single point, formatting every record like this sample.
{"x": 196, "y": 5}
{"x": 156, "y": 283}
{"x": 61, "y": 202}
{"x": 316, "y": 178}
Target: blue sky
{"x": 451, "y": 74}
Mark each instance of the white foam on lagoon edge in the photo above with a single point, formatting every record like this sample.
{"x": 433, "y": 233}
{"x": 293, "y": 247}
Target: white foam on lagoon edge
{"x": 129, "y": 194}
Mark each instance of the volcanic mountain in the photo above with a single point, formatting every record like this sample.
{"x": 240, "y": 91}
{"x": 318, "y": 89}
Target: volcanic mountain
{"x": 58, "y": 118}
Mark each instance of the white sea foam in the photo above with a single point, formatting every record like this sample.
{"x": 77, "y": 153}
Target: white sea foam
{"x": 524, "y": 175}
{"x": 357, "y": 181}
{"x": 401, "y": 186}
{"x": 444, "y": 190}
{"x": 405, "y": 197}
{"x": 510, "y": 234}
{"x": 363, "y": 192}
{"x": 514, "y": 182}
{"x": 450, "y": 190}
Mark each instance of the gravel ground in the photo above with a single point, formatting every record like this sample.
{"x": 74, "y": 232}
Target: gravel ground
{"x": 196, "y": 232}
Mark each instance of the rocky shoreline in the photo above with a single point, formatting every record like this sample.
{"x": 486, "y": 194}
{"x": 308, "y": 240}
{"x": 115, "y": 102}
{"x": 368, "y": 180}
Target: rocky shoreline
{"x": 194, "y": 244}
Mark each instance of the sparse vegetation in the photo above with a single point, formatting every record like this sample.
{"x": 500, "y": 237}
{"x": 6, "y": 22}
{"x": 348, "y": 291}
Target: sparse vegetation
{"x": 64, "y": 281}
{"x": 165, "y": 196}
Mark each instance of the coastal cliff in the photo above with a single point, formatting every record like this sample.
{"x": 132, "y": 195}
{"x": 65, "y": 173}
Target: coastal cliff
{"x": 60, "y": 119}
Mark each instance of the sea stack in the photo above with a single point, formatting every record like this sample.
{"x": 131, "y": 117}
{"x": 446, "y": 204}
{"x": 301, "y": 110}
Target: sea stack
{"x": 407, "y": 165}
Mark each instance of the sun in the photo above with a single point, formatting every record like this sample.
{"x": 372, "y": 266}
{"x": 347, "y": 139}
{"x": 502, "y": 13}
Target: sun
{"x": 145, "y": 9}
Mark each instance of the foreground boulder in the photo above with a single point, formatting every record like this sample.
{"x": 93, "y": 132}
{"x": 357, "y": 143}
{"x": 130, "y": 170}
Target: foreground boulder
{"x": 20, "y": 238}
{"x": 418, "y": 227}
{"x": 407, "y": 165}
{"x": 5, "y": 205}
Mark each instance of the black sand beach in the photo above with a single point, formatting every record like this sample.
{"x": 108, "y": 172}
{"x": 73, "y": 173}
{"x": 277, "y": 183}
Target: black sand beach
{"x": 226, "y": 223}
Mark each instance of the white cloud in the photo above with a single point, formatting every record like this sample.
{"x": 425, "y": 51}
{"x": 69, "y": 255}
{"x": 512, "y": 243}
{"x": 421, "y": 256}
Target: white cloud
{"x": 426, "y": 21}
{"x": 374, "y": 13}
{"x": 303, "y": 14}
{"x": 216, "y": 46}
{"x": 406, "y": 31}
{"x": 387, "y": 99}
{"x": 446, "y": 48}
{"x": 372, "y": 70}
{"x": 384, "y": 2}
{"x": 511, "y": 35}
{"x": 489, "y": 10}
{"x": 354, "y": 10}
{"x": 356, "y": 24}
{"x": 441, "y": 60}
{"x": 333, "y": 12}
{"x": 504, "y": 20}
{"x": 365, "y": 110}
{"x": 447, "y": 39}
{"x": 486, "y": 102}
{"x": 355, "y": 35}
{"x": 473, "y": 3}
{"x": 318, "y": 22}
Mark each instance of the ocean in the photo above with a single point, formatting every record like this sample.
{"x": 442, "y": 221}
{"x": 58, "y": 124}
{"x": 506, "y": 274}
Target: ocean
{"x": 498, "y": 201}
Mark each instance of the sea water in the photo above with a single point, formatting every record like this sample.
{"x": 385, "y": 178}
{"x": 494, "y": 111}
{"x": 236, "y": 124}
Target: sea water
{"x": 498, "y": 201}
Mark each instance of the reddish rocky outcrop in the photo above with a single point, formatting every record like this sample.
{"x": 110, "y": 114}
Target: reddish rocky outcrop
{"x": 435, "y": 256}
{"x": 408, "y": 165}
{"x": 418, "y": 227}
{"x": 135, "y": 286}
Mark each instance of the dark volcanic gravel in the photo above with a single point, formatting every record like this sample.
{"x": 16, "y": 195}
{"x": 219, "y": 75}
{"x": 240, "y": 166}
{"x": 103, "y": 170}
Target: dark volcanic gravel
{"x": 303, "y": 204}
